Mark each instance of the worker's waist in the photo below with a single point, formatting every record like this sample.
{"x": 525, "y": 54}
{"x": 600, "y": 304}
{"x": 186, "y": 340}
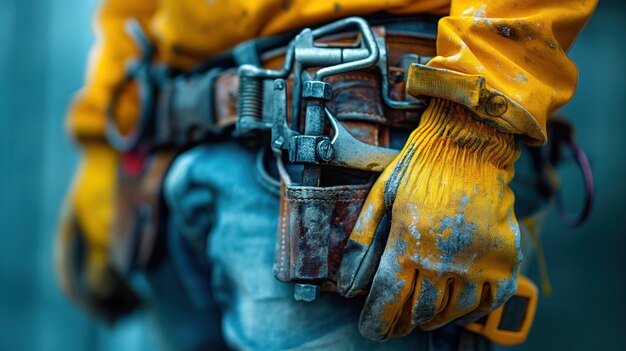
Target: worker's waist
{"x": 330, "y": 100}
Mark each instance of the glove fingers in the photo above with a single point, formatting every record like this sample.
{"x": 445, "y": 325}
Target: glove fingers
{"x": 369, "y": 236}
{"x": 493, "y": 296}
{"x": 484, "y": 306}
{"x": 365, "y": 246}
{"x": 391, "y": 288}
{"x": 421, "y": 306}
{"x": 502, "y": 290}
{"x": 65, "y": 258}
{"x": 78, "y": 278}
{"x": 430, "y": 299}
{"x": 464, "y": 297}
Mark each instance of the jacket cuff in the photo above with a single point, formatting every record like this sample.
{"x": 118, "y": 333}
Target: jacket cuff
{"x": 449, "y": 127}
{"x": 487, "y": 104}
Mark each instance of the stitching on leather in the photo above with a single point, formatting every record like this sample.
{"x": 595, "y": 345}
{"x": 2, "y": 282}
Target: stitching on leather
{"x": 379, "y": 116}
{"x": 356, "y": 77}
{"x": 326, "y": 200}
{"x": 333, "y": 192}
{"x": 283, "y": 234}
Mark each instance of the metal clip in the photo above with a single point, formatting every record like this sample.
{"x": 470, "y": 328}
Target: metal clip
{"x": 191, "y": 106}
{"x": 147, "y": 77}
{"x": 383, "y": 67}
{"x": 313, "y": 147}
{"x": 303, "y": 52}
{"x": 250, "y": 100}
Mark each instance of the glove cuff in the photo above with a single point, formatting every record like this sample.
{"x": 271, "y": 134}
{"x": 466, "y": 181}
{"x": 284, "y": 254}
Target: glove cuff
{"x": 450, "y": 123}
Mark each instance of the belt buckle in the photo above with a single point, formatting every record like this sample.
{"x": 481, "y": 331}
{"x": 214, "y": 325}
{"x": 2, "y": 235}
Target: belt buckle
{"x": 504, "y": 326}
{"x": 145, "y": 75}
{"x": 310, "y": 146}
{"x": 304, "y": 52}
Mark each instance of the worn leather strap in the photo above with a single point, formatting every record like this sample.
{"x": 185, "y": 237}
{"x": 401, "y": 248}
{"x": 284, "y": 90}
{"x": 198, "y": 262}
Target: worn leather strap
{"x": 202, "y": 105}
{"x": 357, "y": 96}
{"x": 139, "y": 227}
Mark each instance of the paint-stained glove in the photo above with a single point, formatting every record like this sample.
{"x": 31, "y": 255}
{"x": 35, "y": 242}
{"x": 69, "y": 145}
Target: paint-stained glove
{"x": 82, "y": 241}
{"x": 437, "y": 238}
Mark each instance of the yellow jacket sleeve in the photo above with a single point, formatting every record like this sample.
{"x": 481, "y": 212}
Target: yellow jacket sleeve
{"x": 107, "y": 62}
{"x": 506, "y": 60}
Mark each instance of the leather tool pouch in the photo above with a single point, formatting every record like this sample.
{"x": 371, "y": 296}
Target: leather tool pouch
{"x": 318, "y": 220}
{"x": 331, "y": 210}
{"x": 141, "y": 211}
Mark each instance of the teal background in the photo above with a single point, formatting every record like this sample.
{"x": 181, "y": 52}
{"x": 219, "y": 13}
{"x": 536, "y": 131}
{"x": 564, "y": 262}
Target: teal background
{"x": 43, "y": 53}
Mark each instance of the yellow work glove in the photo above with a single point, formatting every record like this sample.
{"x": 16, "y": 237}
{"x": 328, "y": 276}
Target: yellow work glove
{"x": 82, "y": 241}
{"x": 437, "y": 238}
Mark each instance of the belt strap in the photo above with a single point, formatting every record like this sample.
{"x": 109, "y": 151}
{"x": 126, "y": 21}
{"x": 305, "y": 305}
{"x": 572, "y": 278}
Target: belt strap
{"x": 186, "y": 108}
{"x": 357, "y": 96}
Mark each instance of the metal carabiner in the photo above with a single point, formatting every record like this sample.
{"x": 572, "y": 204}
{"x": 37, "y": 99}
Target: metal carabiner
{"x": 575, "y": 220}
{"x": 342, "y": 59}
{"x": 141, "y": 73}
{"x": 562, "y": 134}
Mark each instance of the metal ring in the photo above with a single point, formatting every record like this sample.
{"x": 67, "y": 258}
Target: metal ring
{"x": 583, "y": 163}
{"x": 118, "y": 140}
{"x": 140, "y": 72}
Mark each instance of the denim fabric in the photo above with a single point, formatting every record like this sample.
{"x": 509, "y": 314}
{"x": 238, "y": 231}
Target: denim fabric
{"x": 259, "y": 312}
{"x": 217, "y": 198}
{"x": 179, "y": 324}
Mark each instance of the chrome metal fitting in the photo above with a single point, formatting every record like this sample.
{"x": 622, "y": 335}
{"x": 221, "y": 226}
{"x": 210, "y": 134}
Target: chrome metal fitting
{"x": 317, "y": 90}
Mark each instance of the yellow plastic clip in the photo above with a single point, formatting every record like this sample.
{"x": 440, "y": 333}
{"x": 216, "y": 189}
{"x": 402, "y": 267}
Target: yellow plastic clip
{"x": 510, "y": 323}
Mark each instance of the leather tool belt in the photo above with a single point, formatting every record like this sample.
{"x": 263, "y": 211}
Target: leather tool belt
{"x": 267, "y": 89}
{"x": 331, "y": 103}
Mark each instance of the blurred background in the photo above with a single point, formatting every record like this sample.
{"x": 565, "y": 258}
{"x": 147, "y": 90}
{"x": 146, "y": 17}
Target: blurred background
{"x": 43, "y": 52}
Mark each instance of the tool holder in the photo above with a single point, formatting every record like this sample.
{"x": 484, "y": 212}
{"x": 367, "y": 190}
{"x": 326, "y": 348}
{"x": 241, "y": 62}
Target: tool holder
{"x": 307, "y": 144}
{"x": 263, "y": 107}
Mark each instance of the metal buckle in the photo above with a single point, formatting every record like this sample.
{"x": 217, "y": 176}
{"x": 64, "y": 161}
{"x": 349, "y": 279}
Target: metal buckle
{"x": 143, "y": 73}
{"x": 311, "y": 147}
{"x": 561, "y": 136}
{"x": 118, "y": 140}
{"x": 173, "y": 109}
{"x": 190, "y": 105}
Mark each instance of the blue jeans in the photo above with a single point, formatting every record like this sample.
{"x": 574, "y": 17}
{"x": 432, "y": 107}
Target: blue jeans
{"x": 258, "y": 311}
{"x": 226, "y": 216}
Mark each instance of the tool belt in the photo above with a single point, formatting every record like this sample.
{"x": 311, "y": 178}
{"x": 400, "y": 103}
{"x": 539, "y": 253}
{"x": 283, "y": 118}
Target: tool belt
{"x": 267, "y": 89}
{"x": 332, "y": 107}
